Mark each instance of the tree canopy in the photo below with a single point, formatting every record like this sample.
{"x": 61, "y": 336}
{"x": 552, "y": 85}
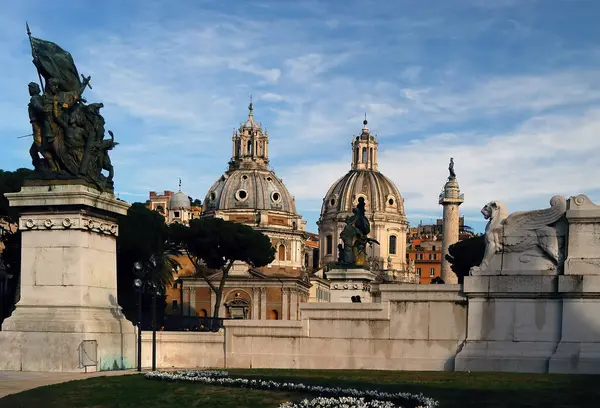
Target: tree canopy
{"x": 215, "y": 244}
{"x": 10, "y": 256}
{"x": 142, "y": 234}
{"x": 11, "y": 182}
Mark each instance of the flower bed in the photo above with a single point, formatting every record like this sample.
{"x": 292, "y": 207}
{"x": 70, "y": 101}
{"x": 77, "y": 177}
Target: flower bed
{"x": 331, "y": 397}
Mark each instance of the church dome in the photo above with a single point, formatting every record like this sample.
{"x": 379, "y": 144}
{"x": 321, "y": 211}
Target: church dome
{"x": 384, "y": 207}
{"x": 379, "y": 192}
{"x": 257, "y": 189}
{"x": 180, "y": 201}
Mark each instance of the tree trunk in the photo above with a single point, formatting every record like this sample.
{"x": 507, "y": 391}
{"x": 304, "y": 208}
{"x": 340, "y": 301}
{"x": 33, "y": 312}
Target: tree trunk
{"x": 219, "y": 296}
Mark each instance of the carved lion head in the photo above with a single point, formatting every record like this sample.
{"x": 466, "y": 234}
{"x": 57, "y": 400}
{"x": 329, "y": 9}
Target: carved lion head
{"x": 490, "y": 209}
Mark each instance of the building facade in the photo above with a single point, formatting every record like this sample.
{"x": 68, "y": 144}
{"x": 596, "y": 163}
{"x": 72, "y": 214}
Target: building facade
{"x": 175, "y": 207}
{"x": 384, "y": 208}
{"x": 426, "y": 255}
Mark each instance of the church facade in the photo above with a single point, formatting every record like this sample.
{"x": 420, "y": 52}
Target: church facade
{"x": 250, "y": 192}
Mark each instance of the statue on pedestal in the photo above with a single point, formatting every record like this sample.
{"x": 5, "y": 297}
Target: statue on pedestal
{"x": 451, "y": 168}
{"x": 355, "y": 238}
{"x": 68, "y": 134}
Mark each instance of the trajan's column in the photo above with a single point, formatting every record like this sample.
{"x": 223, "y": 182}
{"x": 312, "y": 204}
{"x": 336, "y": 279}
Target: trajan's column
{"x": 450, "y": 199}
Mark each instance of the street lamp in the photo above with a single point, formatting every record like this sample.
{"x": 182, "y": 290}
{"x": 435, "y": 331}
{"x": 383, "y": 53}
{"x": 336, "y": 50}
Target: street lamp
{"x": 155, "y": 290}
{"x": 143, "y": 286}
{"x": 138, "y": 284}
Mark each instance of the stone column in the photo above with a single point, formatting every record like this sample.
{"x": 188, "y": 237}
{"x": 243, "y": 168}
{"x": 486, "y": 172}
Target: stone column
{"x": 293, "y": 304}
{"x": 263, "y": 303}
{"x": 68, "y": 306}
{"x": 450, "y": 199}
{"x": 284, "y": 304}
{"x": 213, "y": 299}
{"x": 255, "y": 303}
{"x": 192, "y": 310}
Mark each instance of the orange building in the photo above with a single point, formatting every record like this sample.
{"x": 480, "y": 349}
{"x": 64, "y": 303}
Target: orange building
{"x": 427, "y": 258}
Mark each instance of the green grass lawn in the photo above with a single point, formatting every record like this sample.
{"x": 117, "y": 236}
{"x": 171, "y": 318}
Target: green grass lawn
{"x": 462, "y": 390}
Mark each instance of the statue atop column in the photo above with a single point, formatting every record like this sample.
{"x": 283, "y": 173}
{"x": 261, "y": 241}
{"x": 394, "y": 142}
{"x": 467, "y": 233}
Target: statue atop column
{"x": 451, "y": 169}
{"x": 68, "y": 133}
{"x": 355, "y": 238}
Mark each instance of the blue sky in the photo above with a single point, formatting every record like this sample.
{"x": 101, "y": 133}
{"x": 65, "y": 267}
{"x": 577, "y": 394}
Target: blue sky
{"x": 509, "y": 88}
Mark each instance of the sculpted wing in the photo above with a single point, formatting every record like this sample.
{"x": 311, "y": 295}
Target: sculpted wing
{"x": 534, "y": 220}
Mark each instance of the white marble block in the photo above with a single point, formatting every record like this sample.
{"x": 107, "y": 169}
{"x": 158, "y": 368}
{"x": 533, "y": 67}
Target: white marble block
{"x": 68, "y": 291}
{"x": 514, "y": 323}
{"x": 349, "y": 282}
{"x": 579, "y": 348}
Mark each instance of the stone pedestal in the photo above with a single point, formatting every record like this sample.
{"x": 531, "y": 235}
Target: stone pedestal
{"x": 514, "y": 323}
{"x": 579, "y": 349}
{"x": 346, "y": 283}
{"x": 67, "y": 318}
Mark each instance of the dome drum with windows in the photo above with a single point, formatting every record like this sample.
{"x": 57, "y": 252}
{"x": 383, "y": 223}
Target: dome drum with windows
{"x": 384, "y": 208}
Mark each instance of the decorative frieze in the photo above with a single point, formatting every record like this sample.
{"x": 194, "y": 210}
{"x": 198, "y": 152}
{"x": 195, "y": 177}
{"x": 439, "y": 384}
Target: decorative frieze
{"x": 68, "y": 222}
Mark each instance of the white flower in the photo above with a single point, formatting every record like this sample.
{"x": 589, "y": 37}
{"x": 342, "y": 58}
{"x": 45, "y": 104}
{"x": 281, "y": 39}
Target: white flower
{"x": 330, "y": 397}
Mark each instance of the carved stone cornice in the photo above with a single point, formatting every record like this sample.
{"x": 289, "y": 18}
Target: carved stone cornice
{"x": 67, "y": 195}
{"x": 68, "y": 222}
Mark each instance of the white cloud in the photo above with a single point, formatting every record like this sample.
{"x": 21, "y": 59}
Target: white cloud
{"x": 411, "y": 73}
{"x": 546, "y": 155}
{"x": 519, "y": 128}
{"x": 271, "y": 97}
{"x": 306, "y": 67}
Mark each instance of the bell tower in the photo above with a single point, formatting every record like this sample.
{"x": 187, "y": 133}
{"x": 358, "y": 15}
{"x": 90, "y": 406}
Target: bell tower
{"x": 364, "y": 150}
{"x": 250, "y": 144}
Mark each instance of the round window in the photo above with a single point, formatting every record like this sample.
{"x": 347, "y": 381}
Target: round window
{"x": 244, "y": 177}
{"x": 391, "y": 201}
{"x": 269, "y": 179}
{"x": 213, "y": 195}
{"x": 332, "y": 202}
{"x": 241, "y": 195}
{"x": 276, "y": 197}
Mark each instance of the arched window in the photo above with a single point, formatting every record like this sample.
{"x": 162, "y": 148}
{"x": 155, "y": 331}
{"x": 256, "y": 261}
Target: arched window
{"x": 306, "y": 260}
{"x": 281, "y": 252}
{"x": 249, "y": 147}
{"x": 356, "y": 155}
{"x": 274, "y": 315}
{"x": 392, "y": 245}
{"x": 364, "y": 155}
{"x": 329, "y": 244}
{"x": 371, "y": 156}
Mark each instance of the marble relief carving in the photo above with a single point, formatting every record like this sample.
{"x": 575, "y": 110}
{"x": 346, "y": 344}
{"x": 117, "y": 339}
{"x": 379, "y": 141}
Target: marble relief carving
{"x": 77, "y": 222}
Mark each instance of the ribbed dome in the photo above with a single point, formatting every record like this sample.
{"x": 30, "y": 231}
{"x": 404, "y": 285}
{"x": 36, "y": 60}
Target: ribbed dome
{"x": 380, "y": 193}
{"x": 257, "y": 189}
{"x": 180, "y": 201}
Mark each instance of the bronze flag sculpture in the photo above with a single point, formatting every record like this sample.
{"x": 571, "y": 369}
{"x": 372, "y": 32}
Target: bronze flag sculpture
{"x": 68, "y": 133}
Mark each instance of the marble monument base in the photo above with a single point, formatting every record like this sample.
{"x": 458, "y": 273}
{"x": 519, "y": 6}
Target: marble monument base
{"x": 67, "y": 318}
{"x": 579, "y": 349}
{"x": 348, "y": 282}
{"x": 514, "y": 323}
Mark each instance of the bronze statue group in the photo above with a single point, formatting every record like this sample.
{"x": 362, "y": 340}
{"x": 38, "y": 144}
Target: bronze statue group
{"x": 68, "y": 133}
